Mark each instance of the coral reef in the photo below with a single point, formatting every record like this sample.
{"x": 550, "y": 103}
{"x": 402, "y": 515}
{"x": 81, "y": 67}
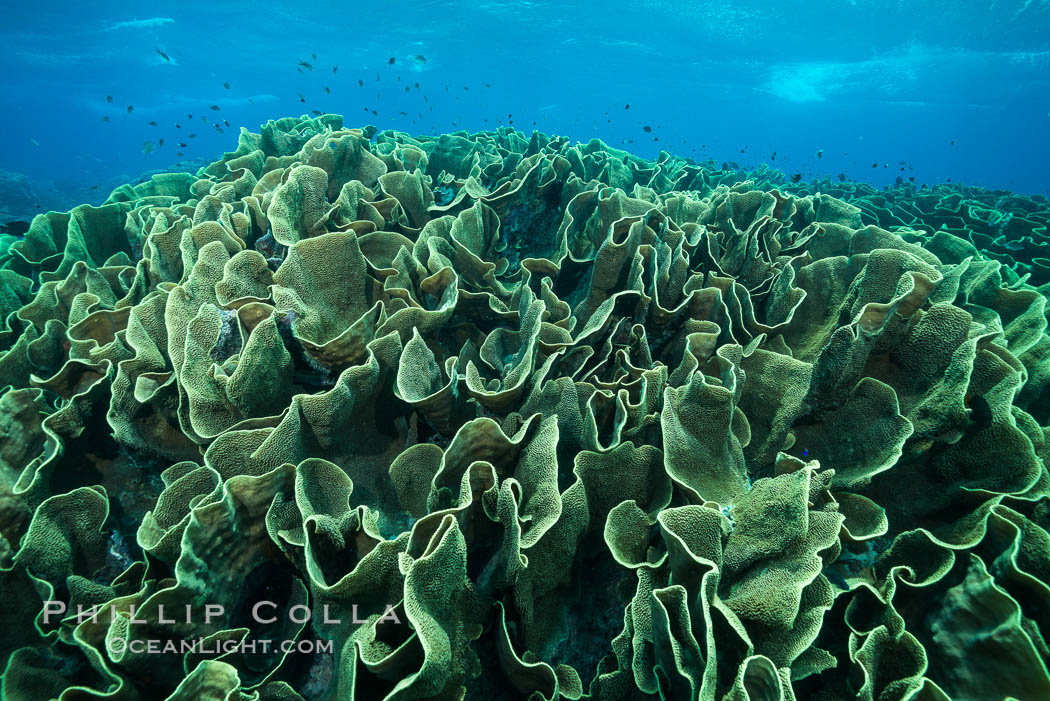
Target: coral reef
{"x": 544, "y": 420}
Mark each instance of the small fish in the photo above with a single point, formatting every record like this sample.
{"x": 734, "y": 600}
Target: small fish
{"x": 189, "y": 116}
{"x": 796, "y": 177}
{"x": 226, "y": 122}
{"x": 375, "y": 113}
{"x": 305, "y": 65}
{"x": 317, "y": 112}
{"x": 193, "y": 136}
{"x": 178, "y": 126}
{"x": 109, "y": 98}
{"x": 953, "y": 142}
{"x": 219, "y": 129}
{"x": 148, "y": 146}
{"x": 820, "y": 153}
{"x": 94, "y": 187}
{"x": 105, "y": 119}
{"x": 417, "y": 86}
{"x": 226, "y": 85}
{"x": 301, "y": 98}
{"x": 179, "y": 153}
{"x": 215, "y": 107}
{"x": 328, "y": 90}
{"x": 335, "y": 69}
{"x": 403, "y": 114}
{"x": 627, "y": 106}
{"x": 34, "y": 142}
{"x": 466, "y": 87}
{"x": 300, "y": 70}
{"x": 874, "y": 165}
{"x": 391, "y": 61}
{"x": 1013, "y": 246}
{"x": 164, "y": 56}
{"x": 487, "y": 85}
{"x": 980, "y": 412}
{"x": 18, "y": 227}
{"x": 131, "y": 108}
{"x": 836, "y": 578}
{"x": 151, "y": 123}
{"x": 313, "y": 56}
{"x": 420, "y": 59}
{"x": 360, "y": 83}
{"x": 773, "y": 157}
{"x": 647, "y": 129}
{"x": 160, "y": 142}
{"x": 182, "y": 144}
{"x": 842, "y": 177}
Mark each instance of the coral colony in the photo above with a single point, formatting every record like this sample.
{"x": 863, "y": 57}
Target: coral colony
{"x": 499, "y": 416}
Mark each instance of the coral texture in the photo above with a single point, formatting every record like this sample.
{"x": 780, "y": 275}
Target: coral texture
{"x": 586, "y": 425}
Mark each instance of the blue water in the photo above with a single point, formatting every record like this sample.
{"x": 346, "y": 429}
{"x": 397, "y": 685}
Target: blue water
{"x": 864, "y": 81}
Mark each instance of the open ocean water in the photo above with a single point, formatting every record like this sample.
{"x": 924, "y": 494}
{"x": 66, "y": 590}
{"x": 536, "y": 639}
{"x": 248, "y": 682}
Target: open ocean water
{"x": 525, "y": 350}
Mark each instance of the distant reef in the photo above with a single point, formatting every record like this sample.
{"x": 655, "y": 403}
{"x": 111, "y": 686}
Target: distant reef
{"x": 531, "y": 419}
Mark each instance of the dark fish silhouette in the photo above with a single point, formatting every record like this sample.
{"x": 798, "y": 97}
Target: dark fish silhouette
{"x": 226, "y": 85}
{"x": 109, "y": 98}
{"x": 215, "y": 107}
{"x": 980, "y": 412}
{"x": 178, "y": 126}
{"x": 820, "y": 153}
{"x": 225, "y": 122}
{"x": 842, "y": 177}
{"x": 335, "y": 69}
{"x": 301, "y": 98}
{"x": 193, "y": 136}
{"x": 160, "y": 142}
{"x": 796, "y": 177}
{"x": 152, "y": 123}
{"x": 317, "y": 112}
{"x": 420, "y": 59}
{"x": 874, "y": 165}
{"x": 18, "y": 227}
{"x": 1013, "y": 246}
{"x": 328, "y": 90}
{"x": 105, "y": 119}
{"x": 182, "y": 144}
{"x": 773, "y": 157}
{"x": 487, "y": 85}
{"x": 305, "y": 65}
{"x": 164, "y": 56}
{"x": 360, "y": 83}
{"x": 391, "y": 61}
{"x": 647, "y": 129}
{"x": 130, "y": 108}
{"x": 189, "y": 116}
{"x": 313, "y": 56}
